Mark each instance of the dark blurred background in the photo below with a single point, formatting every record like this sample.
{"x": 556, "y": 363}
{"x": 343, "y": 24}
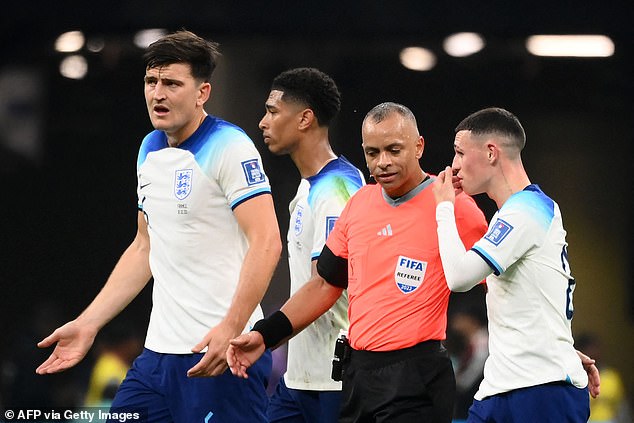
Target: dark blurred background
{"x": 68, "y": 147}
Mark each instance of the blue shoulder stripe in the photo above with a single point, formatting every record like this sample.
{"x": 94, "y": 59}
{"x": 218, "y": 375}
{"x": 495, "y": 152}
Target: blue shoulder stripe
{"x": 532, "y": 198}
{"x": 154, "y": 141}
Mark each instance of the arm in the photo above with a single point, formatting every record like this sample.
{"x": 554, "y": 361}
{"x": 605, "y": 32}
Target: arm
{"x": 257, "y": 220}
{"x": 463, "y": 269}
{"x": 129, "y": 276}
{"x": 304, "y": 307}
{"x": 310, "y": 302}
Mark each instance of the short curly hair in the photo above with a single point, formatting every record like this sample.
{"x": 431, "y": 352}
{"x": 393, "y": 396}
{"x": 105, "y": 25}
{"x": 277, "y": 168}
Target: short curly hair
{"x": 313, "y": 88}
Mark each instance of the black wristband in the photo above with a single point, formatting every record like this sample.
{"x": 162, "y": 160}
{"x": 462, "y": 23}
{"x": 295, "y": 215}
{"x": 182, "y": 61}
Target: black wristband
{"x": 274, "y": 328}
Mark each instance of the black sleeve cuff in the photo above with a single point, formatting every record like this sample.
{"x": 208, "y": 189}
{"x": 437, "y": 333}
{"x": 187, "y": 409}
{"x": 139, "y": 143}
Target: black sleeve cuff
{"x": 274, "y": 328}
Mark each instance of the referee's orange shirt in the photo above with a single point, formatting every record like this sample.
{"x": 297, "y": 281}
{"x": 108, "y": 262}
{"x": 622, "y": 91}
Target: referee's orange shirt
{"x": 397, "y": 292}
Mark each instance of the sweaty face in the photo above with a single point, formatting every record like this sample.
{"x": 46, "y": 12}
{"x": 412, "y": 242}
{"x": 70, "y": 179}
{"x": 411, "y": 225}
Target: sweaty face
{"x": 174, "y": 100}
{"x": 279, "y": 123}
{"x": 470, "y": 163}
{"x": 392, "y": 148}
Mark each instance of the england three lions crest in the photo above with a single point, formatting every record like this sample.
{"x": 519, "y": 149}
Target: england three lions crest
{"x": 183, "y": 183}
{"x": 298, "y": 221}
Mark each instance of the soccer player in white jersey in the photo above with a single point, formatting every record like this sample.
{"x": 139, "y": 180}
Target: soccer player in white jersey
{"x": 300, "y": 107}
{"x": 533, "y": 372}
{"x": 207, "y": 234}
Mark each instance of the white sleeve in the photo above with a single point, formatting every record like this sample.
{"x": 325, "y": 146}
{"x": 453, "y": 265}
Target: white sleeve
{"x": 240, "y": 172}
{"x": 463, "y": 269}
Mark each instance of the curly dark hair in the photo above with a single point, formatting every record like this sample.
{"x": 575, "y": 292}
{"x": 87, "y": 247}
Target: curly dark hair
{"x": 313, "y": 88}
{"x": 184, "y": 47}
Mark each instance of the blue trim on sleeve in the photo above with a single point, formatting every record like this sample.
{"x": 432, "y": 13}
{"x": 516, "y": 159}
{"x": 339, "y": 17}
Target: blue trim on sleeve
{"x": 248, "y": 196}
{"x": 497, "y": 269}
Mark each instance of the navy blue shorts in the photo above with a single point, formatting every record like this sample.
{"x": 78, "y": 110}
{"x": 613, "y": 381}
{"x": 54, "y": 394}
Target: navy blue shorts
{"x": 298, "y": 406}
{"x": 157, "y": 386}
{"x": 552, "y": 402}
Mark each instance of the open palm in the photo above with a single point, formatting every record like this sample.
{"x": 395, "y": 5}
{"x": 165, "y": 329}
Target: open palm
{"x": 72, "y": 344}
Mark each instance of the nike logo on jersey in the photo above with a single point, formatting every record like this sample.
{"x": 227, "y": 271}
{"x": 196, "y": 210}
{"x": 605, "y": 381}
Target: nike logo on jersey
{"x": 144, "y": 185}
{"x": 385, "y": 231}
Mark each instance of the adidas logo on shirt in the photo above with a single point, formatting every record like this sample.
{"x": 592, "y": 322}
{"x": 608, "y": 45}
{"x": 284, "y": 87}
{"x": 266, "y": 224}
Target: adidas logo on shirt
{"x": 386, "y": 231}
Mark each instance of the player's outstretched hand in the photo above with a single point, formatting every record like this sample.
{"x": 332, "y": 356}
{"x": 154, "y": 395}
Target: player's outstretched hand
{"x": 446, "y": 186}
{"x": 213, "y": 362}
{"x": 243, "y": 351}
{"x": 594, "y": 379}
{"x": 72, "y": 343}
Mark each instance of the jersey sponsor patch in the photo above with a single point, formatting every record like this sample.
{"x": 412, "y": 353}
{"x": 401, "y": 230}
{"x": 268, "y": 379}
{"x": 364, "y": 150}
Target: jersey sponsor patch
{"x": 298, "y": 222}
{"x": 498, "y": 232}
{"x": 409, "y": 274}
{"x": 252, "y": 172}
{"x": 330, "y": 224}
{"x": 183, "y": 183}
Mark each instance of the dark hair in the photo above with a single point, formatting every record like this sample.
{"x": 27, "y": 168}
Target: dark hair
{"x": 495, "y": 120}
{"x": 383, "y": 110}
{"x": 184, "y": 47}
{"x": 313, "y": 88}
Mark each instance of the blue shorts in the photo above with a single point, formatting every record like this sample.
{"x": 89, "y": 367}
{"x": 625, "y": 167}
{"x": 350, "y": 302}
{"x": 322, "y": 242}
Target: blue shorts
{"x": 157, "y": 386}
{"x": 551, "y": 402}
{"x": 299, "y": 406}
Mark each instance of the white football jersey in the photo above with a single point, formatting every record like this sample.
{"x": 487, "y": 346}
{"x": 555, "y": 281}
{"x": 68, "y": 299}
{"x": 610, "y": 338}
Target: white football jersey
{"x": 314, "y": 211}
{"x": 529, "y": 298}
{"x": 187, "y": 194}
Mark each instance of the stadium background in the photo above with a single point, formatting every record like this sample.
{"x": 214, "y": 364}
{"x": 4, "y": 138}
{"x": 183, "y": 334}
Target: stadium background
{"x": 68, "y": 147}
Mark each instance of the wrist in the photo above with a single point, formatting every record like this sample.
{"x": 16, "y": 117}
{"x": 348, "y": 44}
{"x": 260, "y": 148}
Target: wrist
{"x": 274, "y": 329}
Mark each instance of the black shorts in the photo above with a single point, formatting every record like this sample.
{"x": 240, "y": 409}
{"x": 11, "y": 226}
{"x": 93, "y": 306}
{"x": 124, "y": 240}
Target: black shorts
{"x": 415, "y": 384}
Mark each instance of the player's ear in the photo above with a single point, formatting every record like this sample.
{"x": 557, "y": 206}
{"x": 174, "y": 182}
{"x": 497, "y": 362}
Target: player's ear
{"x": 306, "y": 118}
{"x": 492, "y": 153}
{"x": 204, "y": 92}
{"x": 420, "y": 146}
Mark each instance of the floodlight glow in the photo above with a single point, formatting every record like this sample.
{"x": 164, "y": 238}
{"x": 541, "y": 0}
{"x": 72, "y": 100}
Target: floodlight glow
{"x": 417, "y": 58}
{"x": 96, "y": 44}
{"x": 144, "y": 38}
{"x": 73, "y": 67}
{"x": 70, "y": 42}
{"x": 570, "y": 45}
{"x": 463, "y": 44}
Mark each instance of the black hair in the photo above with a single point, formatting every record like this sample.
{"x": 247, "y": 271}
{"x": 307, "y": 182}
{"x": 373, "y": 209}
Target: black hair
{"x": 313, "y": 88}
{"x": 495, "y": 120}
